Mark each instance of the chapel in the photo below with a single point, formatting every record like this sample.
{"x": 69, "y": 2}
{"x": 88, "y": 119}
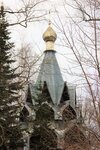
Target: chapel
{"x": 51, "y": 113}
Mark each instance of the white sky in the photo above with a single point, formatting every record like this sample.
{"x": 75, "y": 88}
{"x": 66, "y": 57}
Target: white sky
{"x": 33, "y": 34}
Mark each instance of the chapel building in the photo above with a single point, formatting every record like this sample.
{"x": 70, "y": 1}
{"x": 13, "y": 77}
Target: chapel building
{"x": 52, "y": 101}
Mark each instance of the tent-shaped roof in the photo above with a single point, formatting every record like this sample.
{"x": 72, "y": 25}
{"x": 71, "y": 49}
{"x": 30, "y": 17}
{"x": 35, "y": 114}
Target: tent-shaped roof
{"x": 51, "y": 74}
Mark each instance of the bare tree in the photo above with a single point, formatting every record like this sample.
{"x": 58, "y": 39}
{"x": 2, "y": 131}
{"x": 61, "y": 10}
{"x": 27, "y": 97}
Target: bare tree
{"x": 29, "y": 11}
{"x": 27, "y": 62}
{"x": 82, "y": 38}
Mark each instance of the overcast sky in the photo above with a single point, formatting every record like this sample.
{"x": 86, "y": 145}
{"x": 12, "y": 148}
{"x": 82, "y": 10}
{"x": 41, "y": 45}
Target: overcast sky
{"x": 33, "y": 33}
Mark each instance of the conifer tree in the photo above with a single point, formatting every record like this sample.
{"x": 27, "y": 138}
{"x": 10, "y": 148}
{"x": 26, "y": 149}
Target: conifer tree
{"x": 43, "y": 136}
{"x": 9, "y": 90}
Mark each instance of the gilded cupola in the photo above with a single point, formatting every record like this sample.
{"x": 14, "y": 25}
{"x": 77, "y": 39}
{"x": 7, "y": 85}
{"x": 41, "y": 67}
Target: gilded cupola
{"x": 49, "y": 37}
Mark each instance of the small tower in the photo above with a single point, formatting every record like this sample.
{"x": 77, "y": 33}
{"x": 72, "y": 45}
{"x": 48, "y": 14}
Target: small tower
{"x": 60, "y": 98}
{"x": 50, "y": 73}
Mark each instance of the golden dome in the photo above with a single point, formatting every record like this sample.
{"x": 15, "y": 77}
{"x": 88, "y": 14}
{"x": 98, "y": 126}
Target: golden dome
{"x": 49, "y": 35}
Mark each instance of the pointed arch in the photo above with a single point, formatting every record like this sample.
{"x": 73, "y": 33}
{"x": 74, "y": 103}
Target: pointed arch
{"x": 45, "y": 93}
{"x": 45, "y": 113}
{"x": 65, "y": 94}
{"x": 24, "y": 114}
{"x": 29, "y": 96}
{"x": 68, "y": 113}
